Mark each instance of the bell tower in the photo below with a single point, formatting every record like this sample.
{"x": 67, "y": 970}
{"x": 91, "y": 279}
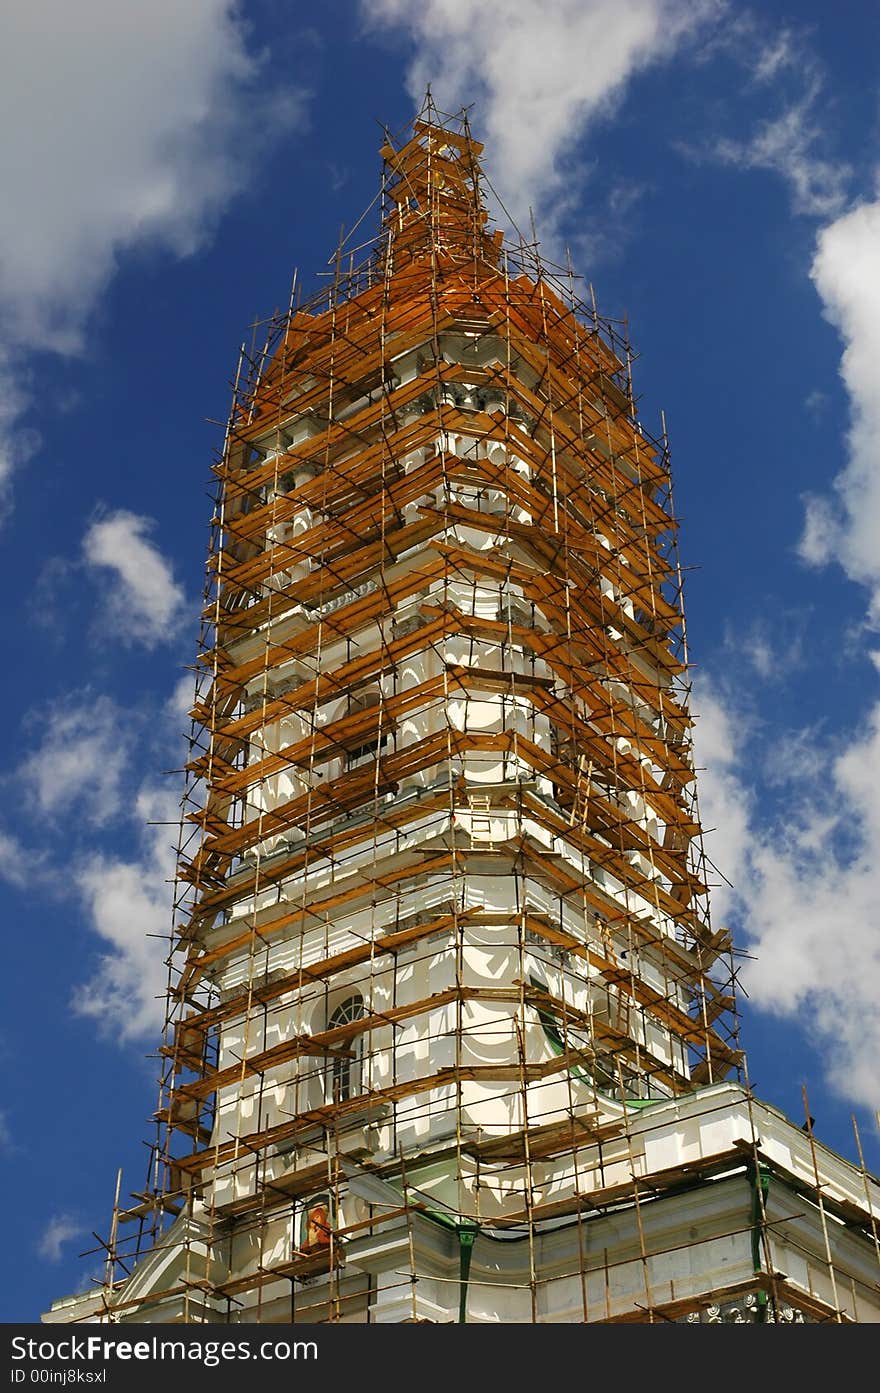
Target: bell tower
{"x": 451, "y": 1035}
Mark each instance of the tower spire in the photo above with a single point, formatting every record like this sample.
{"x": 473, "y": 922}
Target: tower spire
{"x": 435, "y": 192}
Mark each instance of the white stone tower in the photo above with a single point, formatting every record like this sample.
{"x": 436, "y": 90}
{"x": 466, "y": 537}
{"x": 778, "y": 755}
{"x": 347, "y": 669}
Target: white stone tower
{"x": 451, "y": 1036}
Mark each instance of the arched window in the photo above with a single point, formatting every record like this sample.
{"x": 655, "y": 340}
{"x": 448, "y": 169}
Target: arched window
{"x": 376, "y": 741}
{"x": 345, "y": 1069}
{"x": 564, "y": 1037}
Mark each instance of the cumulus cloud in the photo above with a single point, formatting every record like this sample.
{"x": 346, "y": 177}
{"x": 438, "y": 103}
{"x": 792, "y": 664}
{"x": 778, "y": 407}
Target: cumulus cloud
{"x": 806, "y": 883}
{"x": 540, "y": 74}
{"x": 796, "y": 812}
{"x": 144, "y": 603}
{"x": 120, "y": 125}
{"x": 81, "y": 759}
{"x": 128, "y": 903}
{"x": 846, "y": 274}
{"x": 82, "y": 775}
{"x": 128, "y": 114}
{"x": 60, "y": 1229}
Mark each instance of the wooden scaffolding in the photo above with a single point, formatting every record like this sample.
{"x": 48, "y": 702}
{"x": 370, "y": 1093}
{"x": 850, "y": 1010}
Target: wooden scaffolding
{"x": 443, "y": 651}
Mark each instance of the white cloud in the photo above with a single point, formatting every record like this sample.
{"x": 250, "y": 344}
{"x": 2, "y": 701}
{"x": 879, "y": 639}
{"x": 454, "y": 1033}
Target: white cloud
{"x": 806, "y": 884}
{"x": 816, "y": 402}
{"x": 787, "y": 145}
{"x": 181, "y": 701}
{"x": 21, "y": 866}
{"x": 821, "y": 535}
{"x": 539, "y": 74}
{"x": 807, "y": 876}
{"x": 145, "y": 604}
{"x": 763, "y": 49}
{"x": 792, "y": 142}
{"x": 118, "y": 122}
{"x": 84, "y": 765}
{"x": 760, "y": 654}
{"x": 129, "y": 907}
{"x": 179, "y": 722}
{"x": 725, "y": 805}
{"x": 120, "y": 125}
{"x": 17, "y": 442}
{"x": 6, "y": 1143}
{"x": 81, "y": 759}
{"x": 776, "y": 52}
{"x": 772, "y": 646}
{"x": 846, "y": 273}
{"x": 795, "y": 758}
{"x": 60, "y": 1229}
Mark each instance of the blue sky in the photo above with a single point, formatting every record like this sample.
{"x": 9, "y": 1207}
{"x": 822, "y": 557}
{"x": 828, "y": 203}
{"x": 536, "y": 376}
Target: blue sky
{"x": 713, "y": 168}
